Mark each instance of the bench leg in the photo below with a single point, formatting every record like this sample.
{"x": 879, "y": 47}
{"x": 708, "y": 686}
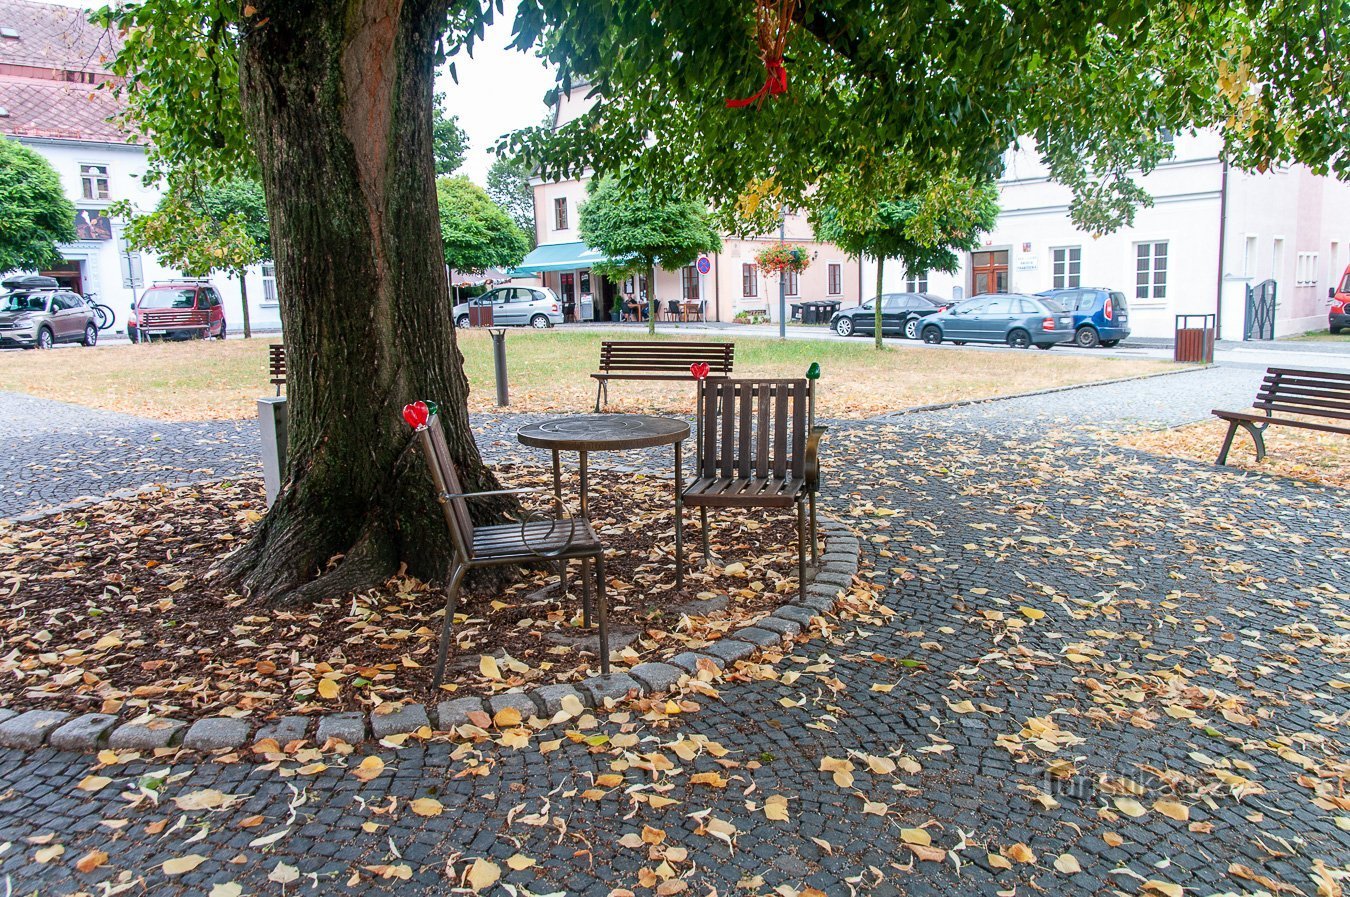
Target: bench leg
{"x": 602, "y": 610}
{"x": 599, "y": 385}
{"x": 815, "y": 548}
{"x": 703, "y": 523}
{"x": 585, "y": 593}
{"x": 1227, "y": 443}
{"x": 451, "y": 604}
{"x": 801, "y": 549}
{"x": 1258, "y": 437}
{"x": 679, "y": 542}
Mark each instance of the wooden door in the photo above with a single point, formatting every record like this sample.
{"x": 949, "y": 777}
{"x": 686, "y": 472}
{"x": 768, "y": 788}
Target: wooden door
{"x": 989, "y": 271}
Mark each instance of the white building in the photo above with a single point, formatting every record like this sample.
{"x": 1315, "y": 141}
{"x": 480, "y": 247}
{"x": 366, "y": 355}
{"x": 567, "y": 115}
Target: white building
{"x": 1287, "y": 225}
{"x": 52, "y": 61}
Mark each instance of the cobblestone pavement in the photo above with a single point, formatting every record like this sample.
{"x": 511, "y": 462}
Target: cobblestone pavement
{"x": 1100, "y": 672}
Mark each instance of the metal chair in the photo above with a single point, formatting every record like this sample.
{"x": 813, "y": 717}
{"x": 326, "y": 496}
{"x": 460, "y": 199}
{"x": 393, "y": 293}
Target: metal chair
{"x": 757, "y": 447}
{"x": 533, "y": 539}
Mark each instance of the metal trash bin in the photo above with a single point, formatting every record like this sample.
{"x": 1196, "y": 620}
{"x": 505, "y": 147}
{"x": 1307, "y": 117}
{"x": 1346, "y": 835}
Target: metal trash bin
{"x": 1194, "y": 342}
{"x": 796, "y": 311}
{"x": 827, "y": 309}
{"x": 480, "y": 315}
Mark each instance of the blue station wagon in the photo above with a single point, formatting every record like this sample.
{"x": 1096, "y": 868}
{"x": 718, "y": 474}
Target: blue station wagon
{"x": 1101, "y": 317}
{"x": 1012, "y": 318}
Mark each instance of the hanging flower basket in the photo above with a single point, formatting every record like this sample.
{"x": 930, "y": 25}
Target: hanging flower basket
{"x": 780, "y": 259}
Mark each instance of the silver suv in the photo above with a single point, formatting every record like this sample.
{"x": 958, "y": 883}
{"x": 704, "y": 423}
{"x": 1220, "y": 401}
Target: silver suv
{"x": 537, "y": 307}
{"x": 37, "y": 312}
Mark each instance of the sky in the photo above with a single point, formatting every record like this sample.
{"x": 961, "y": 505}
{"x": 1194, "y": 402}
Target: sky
{"x": 499, "y": 90}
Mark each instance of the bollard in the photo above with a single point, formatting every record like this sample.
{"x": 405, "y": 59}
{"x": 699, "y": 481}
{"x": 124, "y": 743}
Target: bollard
{"x": 499, "y": 364}
{"x": 272, "y": 428}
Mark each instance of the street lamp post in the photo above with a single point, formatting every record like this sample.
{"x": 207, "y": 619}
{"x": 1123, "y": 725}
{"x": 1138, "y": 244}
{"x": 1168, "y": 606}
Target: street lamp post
{"x": 782, "y": 280}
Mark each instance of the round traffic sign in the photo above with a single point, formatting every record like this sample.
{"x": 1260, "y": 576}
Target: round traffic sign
{"x": 704, "y": 266}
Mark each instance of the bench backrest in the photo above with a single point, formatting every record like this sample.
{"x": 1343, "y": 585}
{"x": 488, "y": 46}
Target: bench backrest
{"x": 665, "y": 358}
{"x": 276, "y": 362}
{"x": 753, "y": 428}
{"x": 1317, "y": 393}
{"x": 445, "y": 476}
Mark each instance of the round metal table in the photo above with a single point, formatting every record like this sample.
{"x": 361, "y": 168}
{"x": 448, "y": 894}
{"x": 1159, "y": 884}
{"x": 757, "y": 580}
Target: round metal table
{"x": 586, "y": 433}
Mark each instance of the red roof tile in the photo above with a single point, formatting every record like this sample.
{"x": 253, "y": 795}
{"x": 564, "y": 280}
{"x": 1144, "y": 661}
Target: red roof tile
{"x": 59, "y": 109}
{"x": 57, "y": 37}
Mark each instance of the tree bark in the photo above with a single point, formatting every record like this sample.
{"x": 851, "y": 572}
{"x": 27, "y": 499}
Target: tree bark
{"x": 652, "y": 302}
{"x": 337, "y": 97}
{"x": 243, "y": 296}
{"x": 876, "y": 308}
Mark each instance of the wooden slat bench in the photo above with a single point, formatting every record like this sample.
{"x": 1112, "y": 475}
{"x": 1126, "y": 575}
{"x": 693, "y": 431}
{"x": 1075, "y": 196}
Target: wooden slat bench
{"x": 620, "y": 360}
{"x": 1323, "y": 394}
{"x": 276, "y": 365}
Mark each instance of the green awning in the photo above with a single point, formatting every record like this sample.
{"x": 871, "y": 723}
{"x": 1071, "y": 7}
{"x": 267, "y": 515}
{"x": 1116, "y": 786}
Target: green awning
{"x": 559, "y": 257}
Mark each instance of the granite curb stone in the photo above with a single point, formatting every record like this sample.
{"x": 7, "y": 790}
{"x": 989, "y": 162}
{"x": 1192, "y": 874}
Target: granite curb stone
{"x": 455, "y": 713}
{"x": 216, "y": 733}
{"x": 83, "y": 733}
{"x": 157, "y": 733}
{"x": 517, "y": 700}
{"x": 408, "y": 718}
{"x": 657, "y": 676}
{"x": 29, "y": 730}
{"x": 91, "y": 730}
{"x": 349, "y": 727}
{"x": 284, "y": 730}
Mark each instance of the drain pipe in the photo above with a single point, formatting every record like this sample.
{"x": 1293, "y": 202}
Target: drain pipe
{"x": 1223, "y": 229}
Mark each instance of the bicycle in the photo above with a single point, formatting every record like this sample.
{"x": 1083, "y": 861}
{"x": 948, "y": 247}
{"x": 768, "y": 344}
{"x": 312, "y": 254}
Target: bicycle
{"x": 106, "y": 316}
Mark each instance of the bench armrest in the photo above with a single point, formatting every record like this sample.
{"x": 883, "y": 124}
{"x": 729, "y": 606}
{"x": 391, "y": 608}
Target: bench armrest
{"x": 811, "y": 460}
{"x": 491, "y": 492}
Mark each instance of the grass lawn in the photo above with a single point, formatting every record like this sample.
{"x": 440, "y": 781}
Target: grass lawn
{"x": 1303, "y": 454}
{"x": 1319, "y": 336}
{"x": 549, "y": 371}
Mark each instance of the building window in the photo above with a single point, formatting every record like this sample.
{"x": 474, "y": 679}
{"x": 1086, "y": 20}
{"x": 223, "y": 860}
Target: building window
{"x": 790, "y": 282}
{"x": 1249, "y": 257}
{"x": 916, "y": 283}
{"x": 1066, "y": 267}
{"x": 835, "y": 279}
{"x": 269, "y": 278}
{"x": 1305, "y": 271}
{"x": 749, "y": 281}
{"x": 560, "y": 213}
{"x": 94, "y": 181}
{"x": 1150, "y": 270}
{"x": 689, "y": 280}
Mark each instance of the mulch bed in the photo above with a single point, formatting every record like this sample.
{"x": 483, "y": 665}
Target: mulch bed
{"x": 111, "y": 608}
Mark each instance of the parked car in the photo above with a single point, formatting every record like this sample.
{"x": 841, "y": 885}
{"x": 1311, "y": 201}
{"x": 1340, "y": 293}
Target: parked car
{"x": 1339, "y": 316}
{"x": 37, "y": 312}
{"x": 177, "y": 310}
{"x": 1013, "y": 318}
{"x": 1101, "y": 317}
{"x": 900, "y": 315}
{"x": 537, "y": 307}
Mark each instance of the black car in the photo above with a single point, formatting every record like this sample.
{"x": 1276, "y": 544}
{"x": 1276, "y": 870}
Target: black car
{"x": 900, "y": 315}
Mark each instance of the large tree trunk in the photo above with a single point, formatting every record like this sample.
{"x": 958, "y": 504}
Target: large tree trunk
{"x": 337, "y": 96}
{"x": 876, "y": 308}
{"x": 242, "y": 274}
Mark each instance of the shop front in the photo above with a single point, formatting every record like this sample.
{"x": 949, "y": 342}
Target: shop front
{"x": 565, "y": 268}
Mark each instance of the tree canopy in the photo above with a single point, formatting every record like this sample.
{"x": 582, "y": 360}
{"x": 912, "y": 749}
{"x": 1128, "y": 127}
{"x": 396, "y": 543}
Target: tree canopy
{"x": 508, "y": 184}
{"x": 882, "y": 95}
{"x": 641, "y": 230}
{"x": 449, "y": 143}
{"x": 476, "y": 233}
{"x": 923, "y": 231}
{"x": 35, "y": 214}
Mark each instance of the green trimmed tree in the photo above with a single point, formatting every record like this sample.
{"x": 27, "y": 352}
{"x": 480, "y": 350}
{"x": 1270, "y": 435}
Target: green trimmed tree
{"x": 35, "y": 214}
{"x": 222, "y": 228}
{"x": 924, "y": 232}
{"x": 640, "y": 230}
{"x": 448, "y": 140}
{"x": 475, "y": 233}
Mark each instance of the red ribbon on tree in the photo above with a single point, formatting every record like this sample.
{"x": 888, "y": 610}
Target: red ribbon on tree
{"x": 772, "y": 19}
{"x": 775, "y": 82}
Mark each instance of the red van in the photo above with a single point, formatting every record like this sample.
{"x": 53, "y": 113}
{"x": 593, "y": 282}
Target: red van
{"x": 178, "y": 309}
{"x": 1339, "y": 316}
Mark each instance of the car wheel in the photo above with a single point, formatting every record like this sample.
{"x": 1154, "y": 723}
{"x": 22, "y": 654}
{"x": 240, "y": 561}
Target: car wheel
{"x": 540, "y": 322}
{"x": 1110, "y": 343}
{"x": 1334, "y": 330}
{"x": 1046, "y": 346}
{"x": 844, "y": 326}
{"x": 90, "y": 335}
{"x": 462, "y": 321}
{"x": 958, "y": 342}
{"x": 932, "y": 336}
{"x": 44, "y": 340}
{"x": 912, "y": 328}
{"x": 221, "y": 335}
{"x": 1086, "y": 338}
{"x": 1019, "y": 339}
